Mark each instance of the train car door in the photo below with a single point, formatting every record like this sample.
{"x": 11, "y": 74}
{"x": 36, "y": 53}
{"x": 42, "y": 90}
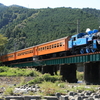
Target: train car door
{"x": 35, "y": 51}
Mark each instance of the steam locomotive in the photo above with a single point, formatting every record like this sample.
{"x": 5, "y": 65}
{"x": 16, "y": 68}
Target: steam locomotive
{"x": 85, "y": 42}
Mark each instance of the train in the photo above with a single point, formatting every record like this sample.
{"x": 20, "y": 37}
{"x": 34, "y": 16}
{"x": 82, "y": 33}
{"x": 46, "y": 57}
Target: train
{"x": 80, "y": 43}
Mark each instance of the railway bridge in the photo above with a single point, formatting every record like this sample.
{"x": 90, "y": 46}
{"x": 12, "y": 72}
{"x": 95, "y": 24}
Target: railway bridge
{"x": 68, "y": 66}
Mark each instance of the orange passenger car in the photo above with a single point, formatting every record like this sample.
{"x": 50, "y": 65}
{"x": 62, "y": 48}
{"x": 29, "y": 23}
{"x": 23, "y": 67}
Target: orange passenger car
{"x": 25, "y": 53}
{"x": 53, "y": 46}
{"x": 8, "y": 57}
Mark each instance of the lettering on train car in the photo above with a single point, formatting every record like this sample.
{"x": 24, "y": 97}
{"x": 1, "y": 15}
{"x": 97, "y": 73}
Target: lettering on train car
{"x": 24, "y": 53}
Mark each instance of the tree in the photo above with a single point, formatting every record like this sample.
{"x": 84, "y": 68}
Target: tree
{"x": 3, "y": 41}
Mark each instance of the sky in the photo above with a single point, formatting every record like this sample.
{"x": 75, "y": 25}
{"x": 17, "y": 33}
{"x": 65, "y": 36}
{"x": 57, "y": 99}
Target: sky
{"x": 37, "y": 4}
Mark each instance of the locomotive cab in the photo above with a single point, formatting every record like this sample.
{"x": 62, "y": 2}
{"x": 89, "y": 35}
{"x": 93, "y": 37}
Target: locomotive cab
{"x": 77, "y": 40}
{"x": 72, "y": 39}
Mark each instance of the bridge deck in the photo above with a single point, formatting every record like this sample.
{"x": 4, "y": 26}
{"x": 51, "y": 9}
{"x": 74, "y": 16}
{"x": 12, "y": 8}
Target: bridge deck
{"x": 91, "y": 57}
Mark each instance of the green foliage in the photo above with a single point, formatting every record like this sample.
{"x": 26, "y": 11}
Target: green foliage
{"x": 28, "y": 27}
{"x": 3, "y": 41}
{"x": 8, "y": 91}
{"x": 80, "y": 75}
{"x": 45, "y": 77}
{"x": 36, "y": 80}
{"x": 48, "y": 77}
{"x": 6, "y": 71}
{"x": 82, "y": 88}
{"x": 3, "y": 69}
{"x": 49, "y": 89}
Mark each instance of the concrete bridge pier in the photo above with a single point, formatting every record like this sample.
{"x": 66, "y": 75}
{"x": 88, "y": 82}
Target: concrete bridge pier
{"x": 51, "y": 69}
{"x": 92, "y": 73}
{"x": 38, "y": 68}
{"x": 68, "y": 73}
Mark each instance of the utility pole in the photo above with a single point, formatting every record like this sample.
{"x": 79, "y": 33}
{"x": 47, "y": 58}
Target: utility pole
{"x": 77, "y": 25}
{"x": 78, "y": 28}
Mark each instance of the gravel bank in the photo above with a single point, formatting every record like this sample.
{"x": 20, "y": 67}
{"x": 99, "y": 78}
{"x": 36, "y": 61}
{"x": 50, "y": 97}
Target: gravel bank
{"x": 79, "y": 95}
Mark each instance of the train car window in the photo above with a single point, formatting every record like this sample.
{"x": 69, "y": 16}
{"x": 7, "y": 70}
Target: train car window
{"x": 50, "y": 46}
{"x": 47, "y": 47}
{"x": 54, "y": 45}
{"x": 57, "y": 44}
{"x": 32, "y": 51}
{"x": 61, "y": 44}
{"x": 42, "y": 48}
{"x": 74, "y": 38}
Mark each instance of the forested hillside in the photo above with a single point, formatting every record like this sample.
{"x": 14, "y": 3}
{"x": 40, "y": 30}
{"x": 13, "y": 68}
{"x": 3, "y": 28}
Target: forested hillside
{"x": 28, "y": 27}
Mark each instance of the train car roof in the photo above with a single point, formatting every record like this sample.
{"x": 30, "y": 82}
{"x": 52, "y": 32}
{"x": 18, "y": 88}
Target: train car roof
{"x": 40, "y": 44}
{"x": 51, "y": 41}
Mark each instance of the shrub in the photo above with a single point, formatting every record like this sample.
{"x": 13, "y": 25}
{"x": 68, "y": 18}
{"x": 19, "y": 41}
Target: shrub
{"x": 8, "y": 91}
{"x": 50, "y": 88}
{"x": 4, "y": 69}
{"x": 36, "y": 80}
{"x": 7, "y": 71}
{"x": 48, "y": 77}
{"x": 45, "y": 77}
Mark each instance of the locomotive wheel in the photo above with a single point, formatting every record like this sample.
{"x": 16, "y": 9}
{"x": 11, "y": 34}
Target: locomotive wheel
{"x": 88, "y": 50}
{"x": 82, "y": 51}
{"x": 93, "y": 50}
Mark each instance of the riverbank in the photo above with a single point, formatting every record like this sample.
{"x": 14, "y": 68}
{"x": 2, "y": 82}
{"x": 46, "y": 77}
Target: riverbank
{"x": 29, "y": 82}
